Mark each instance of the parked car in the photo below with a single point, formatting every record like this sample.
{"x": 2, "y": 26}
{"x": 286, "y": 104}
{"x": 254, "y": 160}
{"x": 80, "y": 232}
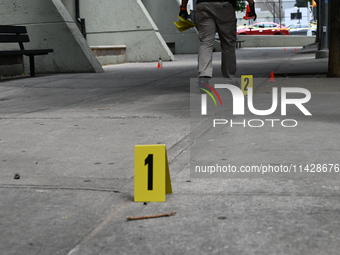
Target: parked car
{"x": 264, "y": 28}
{"x": 301, "y": 29}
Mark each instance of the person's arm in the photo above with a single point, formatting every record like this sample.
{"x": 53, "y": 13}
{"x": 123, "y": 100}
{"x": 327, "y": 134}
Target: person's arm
{"x": 183, "y": 9}
{"x": 185, "y": 3}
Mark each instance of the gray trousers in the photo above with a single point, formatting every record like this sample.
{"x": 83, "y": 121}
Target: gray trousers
{"x": 212, "y": 17}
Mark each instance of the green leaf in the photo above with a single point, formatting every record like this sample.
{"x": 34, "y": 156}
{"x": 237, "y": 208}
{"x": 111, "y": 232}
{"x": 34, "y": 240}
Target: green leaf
{"x": 240, "y": 5}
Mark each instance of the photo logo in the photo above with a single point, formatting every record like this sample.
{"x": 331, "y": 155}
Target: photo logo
{"x": 239, "y": 104}
{"x": 239, "y": 99}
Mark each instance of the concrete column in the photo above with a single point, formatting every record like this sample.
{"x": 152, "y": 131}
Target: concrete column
{"x": 117, "y": 22}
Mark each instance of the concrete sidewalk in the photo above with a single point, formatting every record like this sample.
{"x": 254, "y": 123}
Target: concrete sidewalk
{"x": 71, "y": 139}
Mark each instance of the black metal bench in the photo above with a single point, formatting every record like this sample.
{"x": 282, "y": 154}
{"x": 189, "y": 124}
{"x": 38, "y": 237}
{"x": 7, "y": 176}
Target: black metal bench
{"x": 238, "y": 43}
{"x": 18, "y": 34}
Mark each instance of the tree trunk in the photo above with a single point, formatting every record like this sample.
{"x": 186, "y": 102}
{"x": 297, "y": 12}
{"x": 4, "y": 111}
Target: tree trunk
{"x": 334, "y": 39}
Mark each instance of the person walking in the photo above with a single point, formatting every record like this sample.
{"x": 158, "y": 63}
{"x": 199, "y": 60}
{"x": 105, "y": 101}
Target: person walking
{"x": 216, "y": 16}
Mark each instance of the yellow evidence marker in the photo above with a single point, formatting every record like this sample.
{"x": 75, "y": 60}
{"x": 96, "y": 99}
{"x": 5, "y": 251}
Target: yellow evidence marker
{"x": 247, "y": 81}
{"x": 151, "y": 174}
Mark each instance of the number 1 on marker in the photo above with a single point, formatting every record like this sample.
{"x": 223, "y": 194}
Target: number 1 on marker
{"x": 149, "y": 162}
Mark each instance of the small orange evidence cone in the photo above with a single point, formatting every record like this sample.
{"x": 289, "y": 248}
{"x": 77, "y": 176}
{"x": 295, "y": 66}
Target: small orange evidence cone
{"x": 160, "y": 63}
{"x": 272, "y": 76}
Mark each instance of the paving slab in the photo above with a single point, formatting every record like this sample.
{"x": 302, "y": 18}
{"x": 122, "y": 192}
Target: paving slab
{"x": 71, "y": 139}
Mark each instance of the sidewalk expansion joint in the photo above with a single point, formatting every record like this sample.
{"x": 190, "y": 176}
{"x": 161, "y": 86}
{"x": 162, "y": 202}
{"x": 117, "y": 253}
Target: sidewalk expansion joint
{"x": 50, "y": 187}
